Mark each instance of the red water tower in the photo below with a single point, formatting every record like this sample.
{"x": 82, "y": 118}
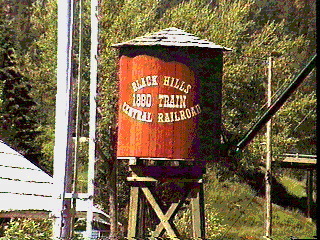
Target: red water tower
{"x": 169, "y": 120}
{"x": 159, "y": 108}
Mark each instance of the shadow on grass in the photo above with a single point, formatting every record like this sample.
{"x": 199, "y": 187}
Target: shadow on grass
{"x": 279, "y": 193}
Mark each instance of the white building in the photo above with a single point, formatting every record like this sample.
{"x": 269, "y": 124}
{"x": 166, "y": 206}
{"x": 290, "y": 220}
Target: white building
{"x": 27, "y": 191}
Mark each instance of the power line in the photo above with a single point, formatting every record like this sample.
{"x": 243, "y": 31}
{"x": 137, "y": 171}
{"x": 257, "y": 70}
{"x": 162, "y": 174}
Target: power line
{"x": 241, "y": 213}
{"x": 304, "y": 118}
{"x": 22, "y": 168}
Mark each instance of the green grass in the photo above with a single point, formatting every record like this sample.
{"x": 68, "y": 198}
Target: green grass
{"x": 242, "y": 213}
{"x": 294, "y": 186}
{"x": 233, "y": 211}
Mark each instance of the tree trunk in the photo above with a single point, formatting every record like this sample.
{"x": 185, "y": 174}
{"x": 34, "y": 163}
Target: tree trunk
{"x": 113, "y": 203}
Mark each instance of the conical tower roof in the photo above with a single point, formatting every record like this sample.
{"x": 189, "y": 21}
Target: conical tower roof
{"x": 174, "y": 37}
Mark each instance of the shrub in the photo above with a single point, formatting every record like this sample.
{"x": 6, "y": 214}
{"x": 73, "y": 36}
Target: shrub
{"x": 28, "y": 229}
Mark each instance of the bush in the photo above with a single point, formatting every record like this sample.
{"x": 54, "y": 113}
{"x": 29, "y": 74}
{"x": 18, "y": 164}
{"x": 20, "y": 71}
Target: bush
{"x": 214, "y": 225}
{"x": 28, "y": 229}
{"x": 24, "y": 228}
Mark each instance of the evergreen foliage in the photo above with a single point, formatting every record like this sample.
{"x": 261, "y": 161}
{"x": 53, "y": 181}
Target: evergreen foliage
{"x": 39, "y": 63}
{"x": 18, "y": 112}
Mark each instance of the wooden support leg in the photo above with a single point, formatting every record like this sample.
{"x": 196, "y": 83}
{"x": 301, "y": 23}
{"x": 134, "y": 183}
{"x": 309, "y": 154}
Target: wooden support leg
{"x": 309, "y": 191}
{"x": 166, "y": 217}
{"x": 198, "y": 218}
{"x": 133, "y": 213}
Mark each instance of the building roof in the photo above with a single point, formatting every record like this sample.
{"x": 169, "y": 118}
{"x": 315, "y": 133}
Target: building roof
{"x": 171, "y": 37}
{"x": 25, "y": 187}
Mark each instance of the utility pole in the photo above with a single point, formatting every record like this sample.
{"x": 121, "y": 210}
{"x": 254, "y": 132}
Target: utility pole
{"x": 93, "y": 107}
{"x": 268, "y": 174}
{"x": 63, "y": 167}
{"x": 78, "y": 119}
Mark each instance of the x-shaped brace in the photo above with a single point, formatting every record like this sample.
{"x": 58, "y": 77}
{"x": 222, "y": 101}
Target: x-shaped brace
{"x": 165, "y": 218}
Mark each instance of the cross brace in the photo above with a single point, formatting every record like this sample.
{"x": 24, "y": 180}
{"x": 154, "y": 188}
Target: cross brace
{"x": 140, "y": 189}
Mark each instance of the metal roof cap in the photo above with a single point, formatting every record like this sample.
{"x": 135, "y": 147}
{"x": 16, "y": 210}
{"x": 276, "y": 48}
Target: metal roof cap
{"x": 173, "y": 37}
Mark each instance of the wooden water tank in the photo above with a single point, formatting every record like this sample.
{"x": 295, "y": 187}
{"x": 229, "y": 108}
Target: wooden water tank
{"x": 161, "y": 98}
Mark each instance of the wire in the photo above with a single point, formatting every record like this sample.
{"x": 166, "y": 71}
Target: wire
{"x": 254, "y": 195}
{"x": 241, "y": 213}
{"x": 304, "y": 118}
{"x": 27, "y": 194}
{"x": 244, "y": 56}
{"x": 33, "y": 169}
{"x": 20, "y": 180}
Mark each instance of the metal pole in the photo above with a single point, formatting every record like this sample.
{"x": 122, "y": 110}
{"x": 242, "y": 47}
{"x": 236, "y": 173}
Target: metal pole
{"x": 78, "y": 119}
{"x": 62, "y": 158}
{"x": 93, "y": 107}
{"x": 268, "y": 175}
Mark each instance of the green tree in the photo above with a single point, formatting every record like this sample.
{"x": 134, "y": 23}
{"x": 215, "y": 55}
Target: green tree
{"x": 243, "y": 25}
{"x": 231, "y": 24}
{"x": 18, "y": 111}
{"x": 39, "y": 64}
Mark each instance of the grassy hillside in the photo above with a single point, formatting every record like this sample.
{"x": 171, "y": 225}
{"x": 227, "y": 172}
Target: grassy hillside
{"x": 294, "y": 186}
{"x": 235, "y": 211}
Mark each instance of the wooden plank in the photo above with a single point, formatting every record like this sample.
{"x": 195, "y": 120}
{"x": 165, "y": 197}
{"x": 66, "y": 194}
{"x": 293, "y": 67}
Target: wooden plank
{"x": 137, "y": 143}
{"x": 296, "y": 163}
{"x": 170, "y": 214}
{"x": 26, "y": 188}
{"x": 185, "y": 132}
{"x": 198, "y": 218}
{"x": 133, "y": 213}
{"x": 78, "y": 195}
{"x": 165, "y": 137}
{"x": 309, "y": 192}
{"x": 169, "y": 159}
{"x": 141, "y": 179}
{"x": 171, "y": 132}
{"x": 300, "y": 160}
{"x": 298, "y": 155}
{"x": 151, "y": 179}
{"x": 33, "y": 214}
{"x": 151, "y": 128}
{"x": 124, "y": 122}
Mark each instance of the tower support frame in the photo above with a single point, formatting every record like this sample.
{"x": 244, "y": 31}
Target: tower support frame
{"x": 146, "y": 175}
